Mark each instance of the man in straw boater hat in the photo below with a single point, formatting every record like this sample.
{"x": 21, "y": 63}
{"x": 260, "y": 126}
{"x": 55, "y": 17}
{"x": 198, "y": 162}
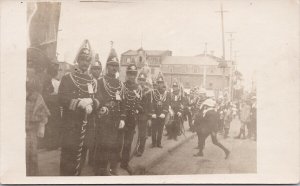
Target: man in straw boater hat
{"x": 76, "y": 95}
{"x": 110, "y": 119}
{"x": 37, "y": 112}
{"x": 160, "y": 108}
{"x": 209, "y": 126}
{"x": 143, "y": 117}
{"x": 132, "y": 96}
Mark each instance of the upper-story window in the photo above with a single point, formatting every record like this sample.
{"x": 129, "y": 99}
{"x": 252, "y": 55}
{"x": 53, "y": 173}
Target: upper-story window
{"x": 128, "y": 60}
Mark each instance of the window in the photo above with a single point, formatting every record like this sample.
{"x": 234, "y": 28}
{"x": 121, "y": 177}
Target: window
{"x": 128, "y": 59}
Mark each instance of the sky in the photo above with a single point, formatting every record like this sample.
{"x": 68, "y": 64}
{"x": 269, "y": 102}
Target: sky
{"x": 264, "y": 30}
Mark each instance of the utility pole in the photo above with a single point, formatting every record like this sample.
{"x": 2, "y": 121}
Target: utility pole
{"x": 205, "y": 48}
{"x": 222, "y": 27}
{"x": 231, "y": 40}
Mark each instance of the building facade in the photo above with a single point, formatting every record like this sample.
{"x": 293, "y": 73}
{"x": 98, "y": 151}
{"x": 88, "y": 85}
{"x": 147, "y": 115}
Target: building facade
{"x": 202, "y": 70}
{"x": 141, "y": 57}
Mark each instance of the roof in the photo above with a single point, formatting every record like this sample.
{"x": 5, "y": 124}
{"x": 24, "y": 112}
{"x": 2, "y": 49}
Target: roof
{"x": 148, "y": 52}
{"x": 190, "y": 60}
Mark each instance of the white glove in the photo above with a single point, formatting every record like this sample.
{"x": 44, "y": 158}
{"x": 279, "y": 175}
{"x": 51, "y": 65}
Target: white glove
{"x": 122, "y": 124}
{"x": 88, "y": 101}
{"x": 179, "y": 114}
{"x": 153, "y": 116}
{"x": 88, "y": 109}
{"x": 162, "y": 116}
{"x": 82, "y": 104}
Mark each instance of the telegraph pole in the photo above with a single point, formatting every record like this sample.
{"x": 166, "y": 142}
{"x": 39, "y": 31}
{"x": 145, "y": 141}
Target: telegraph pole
{"x": 222, "y": 27}
{"x": 231, "y": 40}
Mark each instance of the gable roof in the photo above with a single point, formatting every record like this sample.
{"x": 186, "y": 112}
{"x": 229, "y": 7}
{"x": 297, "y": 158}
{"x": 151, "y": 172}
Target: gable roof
{"x": 148, "y": 52}
{"x": 190, "y": 60}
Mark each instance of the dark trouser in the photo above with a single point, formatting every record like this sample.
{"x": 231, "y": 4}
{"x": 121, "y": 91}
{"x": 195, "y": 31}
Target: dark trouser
{"x": 157, "y": 127}
{"x": 104, "y": 156}
{"x": 73, "y": 151}
{"x": 214, "y": 139}
{"x": 142, "y": 132}
{"x": 91, "y": 143}
{"x": 126, "y": 138}
{"x": 189, "y": 116}
{"x": 107, "y": 145}
{"x": 174, "y": 128}
{"x": 68, "y": 162}
{"x": 199, "y": 139}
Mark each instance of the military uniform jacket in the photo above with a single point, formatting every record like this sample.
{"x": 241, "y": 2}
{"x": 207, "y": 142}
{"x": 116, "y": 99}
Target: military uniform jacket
{"x": 210, "y": 121}
{"x": 111, "y": 111}
{"x": 73, "y": 87}
{"x": 177, "y": 102}
{"x": 160, "y": 102}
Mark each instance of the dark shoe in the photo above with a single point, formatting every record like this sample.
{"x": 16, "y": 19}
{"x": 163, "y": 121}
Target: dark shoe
{"x": 153, "y": 146}
{"x": 113, "y": 172}
{"x": 103, "y": 172}
{"x": 197, "y": 147}
{"x": 159, "y": 146}
{"x": 198, "y": 154}
{"x": 227, "y": 153}
{"x": 138, "y": 154}
{"x": 127, "y": 168}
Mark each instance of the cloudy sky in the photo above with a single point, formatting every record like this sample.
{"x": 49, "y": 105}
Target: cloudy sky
{"x": 265, "y": 30}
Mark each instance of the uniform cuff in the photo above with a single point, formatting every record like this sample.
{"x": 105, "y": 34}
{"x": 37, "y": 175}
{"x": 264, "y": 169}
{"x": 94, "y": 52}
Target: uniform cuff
{"x": 73, "y": 105}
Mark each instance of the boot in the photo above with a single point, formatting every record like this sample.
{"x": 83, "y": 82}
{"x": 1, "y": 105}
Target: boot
{"x": 227, "y": 153}
{"x": 127, "y": 168}
{"x": 114, "y": 168}
{"x": 200, "y": 153}
{"x": 239, "y": 136}
{"x": 103, "y": 172}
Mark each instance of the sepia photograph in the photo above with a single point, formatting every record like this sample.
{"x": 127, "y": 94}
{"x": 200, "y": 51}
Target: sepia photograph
{"x": 154, "y": 87}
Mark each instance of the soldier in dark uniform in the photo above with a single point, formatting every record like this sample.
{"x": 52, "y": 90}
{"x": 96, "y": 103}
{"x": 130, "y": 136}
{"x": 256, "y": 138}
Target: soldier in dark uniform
{"x": 160, "y": 108}
{"x": 95, "y": 71}
{"x": 111, "y": 118}
{"x": 132, "y": 95}
{"x": 76, "y": 95}
{"x": 144, "y": 116}
{"x": 176, "y": 103}
{"x": 209, "y": 126}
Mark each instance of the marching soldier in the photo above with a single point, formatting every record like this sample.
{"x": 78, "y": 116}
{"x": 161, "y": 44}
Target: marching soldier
{"x": 95, "y": 71}
{"x": 132, "y": 95}
{"x": 111, "y": 118}
{"x": 160, "y": 108}
{"x": 209, "y": 126}
{"x": 143, "y": 117}
{"x": 76, "y": 95}
{"x": 176, "y": 103}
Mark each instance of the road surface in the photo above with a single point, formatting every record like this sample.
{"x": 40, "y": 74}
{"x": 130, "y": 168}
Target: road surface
{"x": 181, "y": 161}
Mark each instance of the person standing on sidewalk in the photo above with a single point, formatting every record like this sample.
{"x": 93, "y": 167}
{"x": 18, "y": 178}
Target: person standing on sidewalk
{"x": 227, "y": 119}
{"x": 244, "y": 118}
{"x": 210, "y": 127}
{"x": 76, "y": 96}
{"x": 144, "y": 115}
{"x": 110, "y": 120}
{"x": 160, "y": 105}
{"x": 37, "y": 112}
{"x": 132, "y": 95}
